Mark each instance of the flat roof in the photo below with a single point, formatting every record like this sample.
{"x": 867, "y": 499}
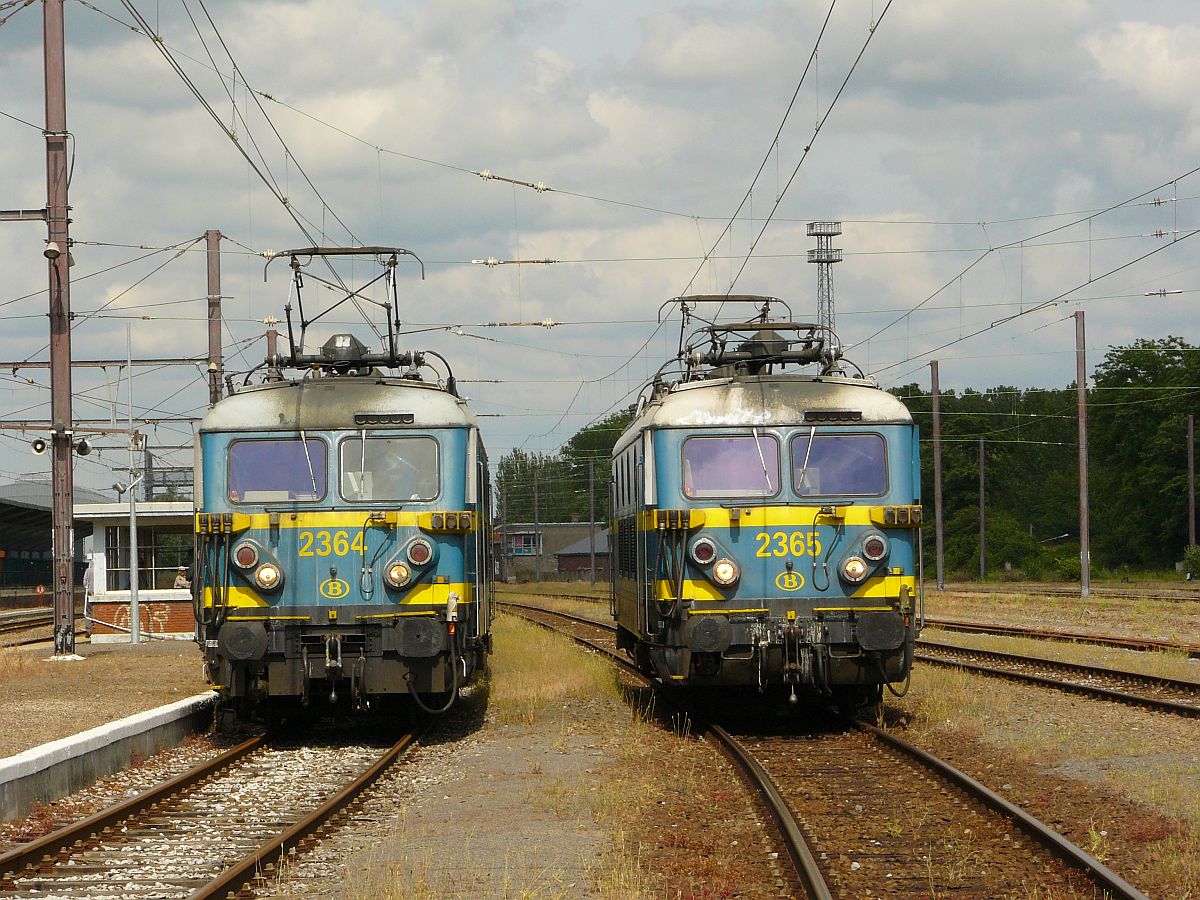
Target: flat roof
{"x": 90, "y": 512}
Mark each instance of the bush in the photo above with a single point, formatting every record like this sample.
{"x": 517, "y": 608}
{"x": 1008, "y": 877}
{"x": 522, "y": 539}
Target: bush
{"x": 1191, "y": 561}
{"x": 1007, "y": 541}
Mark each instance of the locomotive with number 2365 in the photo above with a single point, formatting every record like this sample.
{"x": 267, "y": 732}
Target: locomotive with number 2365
{"x": 766, "y": 521}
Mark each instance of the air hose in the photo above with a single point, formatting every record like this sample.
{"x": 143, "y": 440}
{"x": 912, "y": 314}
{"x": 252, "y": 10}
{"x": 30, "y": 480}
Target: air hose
{"x": 408, "y": 677}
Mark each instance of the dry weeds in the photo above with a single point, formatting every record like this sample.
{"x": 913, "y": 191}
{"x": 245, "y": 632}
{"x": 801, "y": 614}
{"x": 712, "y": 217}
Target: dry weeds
{"x": 534, "y": 669}
{"x": 1159, "y": 664}
{"x": 1136, "y": 754}
{"x": 1172, "y": 620}
{"x": 14, "y": 663}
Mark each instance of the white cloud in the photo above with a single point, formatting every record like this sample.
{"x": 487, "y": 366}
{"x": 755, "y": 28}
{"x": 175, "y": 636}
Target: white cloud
{"x": 1157, "y": 63}
{"x": 963, "y": 111}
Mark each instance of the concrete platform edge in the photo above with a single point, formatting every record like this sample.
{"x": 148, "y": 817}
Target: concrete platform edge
{"x": 53, "y": 770}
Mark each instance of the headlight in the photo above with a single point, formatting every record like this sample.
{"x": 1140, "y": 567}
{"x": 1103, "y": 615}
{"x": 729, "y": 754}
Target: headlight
{"x": 398, "y": 575}
{"x": 245, "y": 555}
{"x": 703, "y": 551}
{"x": 875, "y": 547}
{"x": 268, "y": 576}
{"x": 419, "y": 552}
{"x": 725, "y": 572}
{"x": 854, "y": 569}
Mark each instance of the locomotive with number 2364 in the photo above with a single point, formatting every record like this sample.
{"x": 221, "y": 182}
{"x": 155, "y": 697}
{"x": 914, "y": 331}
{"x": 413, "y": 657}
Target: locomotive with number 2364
{"x": 342, "y": 546}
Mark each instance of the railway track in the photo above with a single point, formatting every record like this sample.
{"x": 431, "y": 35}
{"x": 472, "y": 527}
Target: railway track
{"x": 21, "y": 624}
{"x": 1161, "y": 694}
{"x": 1075, "y": 637}
{"x": 25, "y": 619}
{"x": 209, "y": 832}
{"x": 1111, "y": 593}
{"x": 847, "y": 837}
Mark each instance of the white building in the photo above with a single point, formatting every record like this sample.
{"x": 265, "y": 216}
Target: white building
{"x": 166, "y": 541}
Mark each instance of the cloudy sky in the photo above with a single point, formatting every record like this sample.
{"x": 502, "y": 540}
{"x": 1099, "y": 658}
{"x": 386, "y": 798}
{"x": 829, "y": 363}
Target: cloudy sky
{"x": 985, "y": 156}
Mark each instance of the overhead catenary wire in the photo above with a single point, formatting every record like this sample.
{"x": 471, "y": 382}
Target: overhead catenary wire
{"x": 478, "y": 172}
{"x": 75, "y": 324}
{"x": 651, "y": 354}
{"x": 266, "y": 178}
{"x": 98, "y": 272}
{"x": 1029, "y": 238}
{"x": 745, "y": 199}
{"x": 820, "y": 125}
{"x": 1043, "y": 304}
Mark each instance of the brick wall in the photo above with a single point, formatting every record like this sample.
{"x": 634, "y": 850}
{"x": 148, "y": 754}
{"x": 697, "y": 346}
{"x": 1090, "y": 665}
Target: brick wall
{"x": 158, "y": 616}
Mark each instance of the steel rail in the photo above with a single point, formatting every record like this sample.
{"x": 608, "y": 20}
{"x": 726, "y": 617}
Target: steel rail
{"x": 251, "y": 866}
{"x": 1110, "y": 593}
{"x": 1044, "y": 834}
{"x": 591, "y": 598}
{"x": 1077, "y": 637}
{"x": 1154, "y": 703}
{"x": 1107, "y": 693}
{"x": 803, "y": 861}
{"x": 1085, "y": 668}
{"x": 20, "y": 625}
{"x": 1125, "y": 643}
{"x": 19, "y": 620}
{"x": 34, "y": 852}
{"x": 797, "y": 846}
{"x": 571, "y": 617}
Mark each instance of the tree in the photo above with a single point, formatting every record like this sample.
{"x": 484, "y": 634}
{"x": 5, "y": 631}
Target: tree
{"x": 562, "y": 477}
{"x": 1144, "y": 393}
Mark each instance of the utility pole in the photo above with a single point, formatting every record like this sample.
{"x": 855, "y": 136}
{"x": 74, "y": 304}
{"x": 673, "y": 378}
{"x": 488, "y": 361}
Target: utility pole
{"x": 592, "y": 515}
{"x": 507, "y": 540}
{"x": 215, "y": 371}
{"x": 135, "y": 619}
{"x": 982, "y": 519}
{"x": 537, "y": 531}
{"x": 937, "y": 471}
{"x": 58, "y": 252}
{"x": 1085, "y": 550}
{"x": 1191, "y": 455}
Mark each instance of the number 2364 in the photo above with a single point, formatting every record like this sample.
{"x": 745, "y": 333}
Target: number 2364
{"x": 323, "y": 543}
{"x": 785, "y": 543}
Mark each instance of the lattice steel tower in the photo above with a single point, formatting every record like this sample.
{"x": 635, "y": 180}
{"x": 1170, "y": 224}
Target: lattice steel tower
{"x": 824, "y": 256}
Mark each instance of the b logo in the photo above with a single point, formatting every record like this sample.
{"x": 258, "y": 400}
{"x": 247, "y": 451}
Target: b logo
{"x": 789, "y": 581}
{"x": 334, "y": 588}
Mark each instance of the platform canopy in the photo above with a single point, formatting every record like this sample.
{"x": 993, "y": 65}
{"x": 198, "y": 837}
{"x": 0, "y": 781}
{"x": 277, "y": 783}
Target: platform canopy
{"x": 25, "y": 517}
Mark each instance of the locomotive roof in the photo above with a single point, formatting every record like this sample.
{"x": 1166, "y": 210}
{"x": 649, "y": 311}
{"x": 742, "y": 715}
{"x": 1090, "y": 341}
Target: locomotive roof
{"x": 330, "y": 403}
{"x": 766, "y": 400}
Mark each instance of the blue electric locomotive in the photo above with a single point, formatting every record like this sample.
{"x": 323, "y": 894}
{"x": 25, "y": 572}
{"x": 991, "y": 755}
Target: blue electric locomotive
{"x": 341, "y": 533}
{"x": 766, "y": 523}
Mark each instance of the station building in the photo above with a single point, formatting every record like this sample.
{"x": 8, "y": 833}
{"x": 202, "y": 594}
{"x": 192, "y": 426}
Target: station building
{"x": 166, "y": 541}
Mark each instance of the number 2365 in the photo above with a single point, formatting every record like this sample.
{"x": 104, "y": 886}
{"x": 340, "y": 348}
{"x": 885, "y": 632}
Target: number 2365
{"x": 784, "y": 543}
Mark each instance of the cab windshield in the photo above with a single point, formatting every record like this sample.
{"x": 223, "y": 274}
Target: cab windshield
{"x": 271, "y": 471}
{"x": 389, "y": 468}
{"x": 828, "y": 465}
{"x": 731, "y": 466}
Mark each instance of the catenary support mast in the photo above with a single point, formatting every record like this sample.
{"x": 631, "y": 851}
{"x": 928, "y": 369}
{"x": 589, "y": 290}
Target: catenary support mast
{"x": 58, "y": 252}
{"x": 1085, "y": 551}
{"x": 215, "y": 362}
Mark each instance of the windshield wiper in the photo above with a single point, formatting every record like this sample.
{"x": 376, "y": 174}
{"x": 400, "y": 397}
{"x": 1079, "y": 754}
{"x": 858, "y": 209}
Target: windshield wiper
{"x": 800, "y": 478}
{"x": 308, "y": 459}
{"x": 762, "y": 460}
